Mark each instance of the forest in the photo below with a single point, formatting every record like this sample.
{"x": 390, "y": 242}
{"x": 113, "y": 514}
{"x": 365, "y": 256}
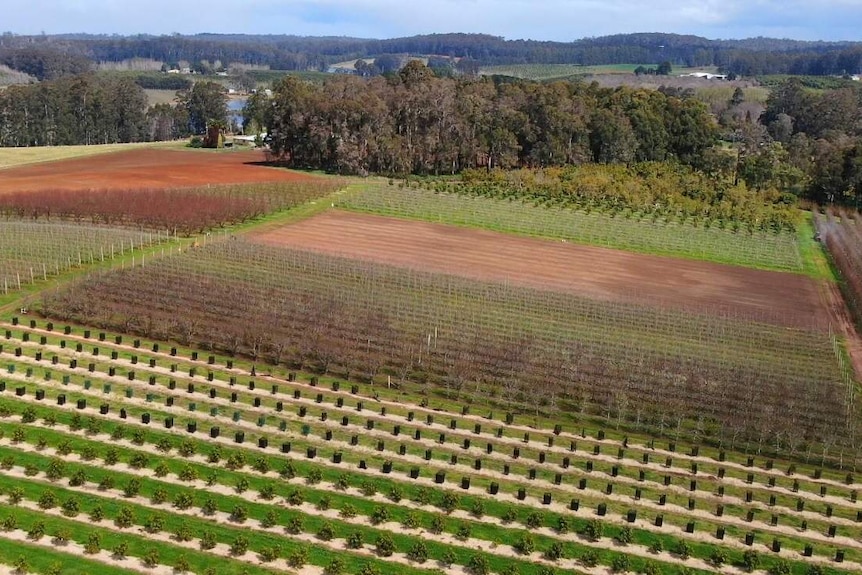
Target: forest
{"x": 742, "y": 57}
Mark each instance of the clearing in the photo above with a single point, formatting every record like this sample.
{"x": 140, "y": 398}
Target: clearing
{"x": 782, "y": 299}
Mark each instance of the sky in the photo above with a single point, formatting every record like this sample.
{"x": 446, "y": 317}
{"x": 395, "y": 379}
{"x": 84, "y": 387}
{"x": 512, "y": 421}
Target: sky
{"x": 560, "y": 20}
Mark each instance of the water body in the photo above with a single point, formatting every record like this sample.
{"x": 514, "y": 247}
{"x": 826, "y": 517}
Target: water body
{"x": 234, "y": 111}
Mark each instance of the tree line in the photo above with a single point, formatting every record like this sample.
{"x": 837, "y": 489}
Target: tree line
{"x": 418, "y": 123}
{"x": 744, "y": 57}
{"x": 93, "y": 109}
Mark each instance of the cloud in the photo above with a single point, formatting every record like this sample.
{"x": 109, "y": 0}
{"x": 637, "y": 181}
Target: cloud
{"x": 540, "y": 19}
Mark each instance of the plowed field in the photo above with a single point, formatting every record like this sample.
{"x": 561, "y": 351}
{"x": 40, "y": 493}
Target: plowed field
{"x": 784, "y": 299}
{"x": 145, "y": 168}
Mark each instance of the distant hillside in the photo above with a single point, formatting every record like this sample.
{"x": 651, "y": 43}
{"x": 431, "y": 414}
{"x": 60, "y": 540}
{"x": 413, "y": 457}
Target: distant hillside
{"x": 744, "y": 57}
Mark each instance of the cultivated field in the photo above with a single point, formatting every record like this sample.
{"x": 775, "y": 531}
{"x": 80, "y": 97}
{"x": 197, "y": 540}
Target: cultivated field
{"x": 13, "y": 157}
{"x": 135, "y": 455}
{"x": 610, "y": 275}
{"x": 626, "y": 230}
{"x": 352, "y": 394}
{"x": 145, "y": 168}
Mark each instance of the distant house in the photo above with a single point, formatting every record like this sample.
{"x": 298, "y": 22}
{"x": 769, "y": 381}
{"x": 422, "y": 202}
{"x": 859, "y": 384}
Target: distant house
{"x": 705, "y": 76}
{"x": 173, "y": 71}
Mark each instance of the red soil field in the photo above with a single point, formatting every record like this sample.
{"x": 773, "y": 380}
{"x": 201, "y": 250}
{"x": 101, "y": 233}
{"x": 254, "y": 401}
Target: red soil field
{"x": 782, "y": 299}
{"x": 145, "y": 168}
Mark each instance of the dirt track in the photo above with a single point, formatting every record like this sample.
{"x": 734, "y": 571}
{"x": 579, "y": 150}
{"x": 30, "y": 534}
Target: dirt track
{"x": 145, "y": 168}
{"x": 779, "y": 298}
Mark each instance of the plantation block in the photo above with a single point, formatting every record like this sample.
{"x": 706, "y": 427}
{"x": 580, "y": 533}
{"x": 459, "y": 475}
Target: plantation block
{"x": 667, "y": 480}
{"x": 414, "y": 473}
{"x": 774, "y": 520}
{"x": 516, "y": 452}
{"x": 123, "y": 414}
{"x": 213, "y": 393}
{"x": 336, "y": 457}
{"x": 822, "y": 491}
{"x": 236, "y": 416}
{"x": 466, "y": 444}
{"x": 662, "y": 499}
{"x": 251, "y": 388}
{"x": 145, "y": 418}
{"x": 256, "y": 403}
{"x": 262, "y": 442}
{"x": 546, "y": 499}
{"x": 191, "y": 427}
{"x": 542, "y": 456}
{"x": 328, "y": 435}
{"x": 839, "y": 556}
{"x": 772, "y": 500}
{"x": 354, "y": 440}
{"x": 531, "y": 473}
{"x": 749, "y": 496}
{"x": 749, "y": 516}
{"x": 506, "y": 469}
{"x": 369, "y": 424}
{"x": 637, "y": 493}
{"x": 291, "y": 376}
{"x": 776, "y": 546}
{"x": 597, "y": 449}
{"x": 659, "y": 520}
{"x": 602, "y": 509}
{"x": 82, "y": 403}
{"x": 417, "y": 435}
{"x": 453, "y": 424}
{"x": 440, "y": 477}
{"x": 297, "y": 394}
{"x": 40, "y": 393}
{"x": 808, "y": 551}
{"x": 689, "y": 527}
{"x": 771, "y": 482}
{"x": 719, "y": 533}
{"x": 311, "y": 452}
{"x": 692, "y": 485}
{"x": 103, "y": 409}
{"x": 721, "y": 472}
{"x": 609, "y": 489}
{"x": 582, "y": 483}
{"x": 522, "y": 494}
{"x": 453, "y": 459}
{"x": 285, "y": 448}
{"x": 169, "y": 422}
{"x": 169, "y": 401}
{"x": 465, "y": 483}
{"x": 402, "y": 449}
{"x": 691, "y": 504}
{"x": 338, "y": 402}
{"x": 574, "y": 504}
{"x": 21, "y": 391}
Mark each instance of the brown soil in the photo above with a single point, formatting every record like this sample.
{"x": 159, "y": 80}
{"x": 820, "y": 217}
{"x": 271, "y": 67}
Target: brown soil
{"x": 783, "y": 299}
{"x": 145, "y": 168}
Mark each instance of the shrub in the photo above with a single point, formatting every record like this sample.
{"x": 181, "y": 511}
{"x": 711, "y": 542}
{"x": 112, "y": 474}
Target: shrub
{"x": 620, "y": 563}
{"x": 151, "y": 558}
{"x": 287, "y": 471}
{"x": 270, "y": 519}
{"x": 261, "y": 465}
{"x": 188, "y": 473}
{"x": 207, "y": 540}
{"x": 419, "y": 552}
{"x": 625, "y": 536}
{"x": 343, "y": 482}
{"x": 438, "y": 524}
{"x": 295, "y": 497}
{"x": 161, "y": 469}
{"x": 750, "y": 560}
{"x": 449, "y": 502}
{"x": 718, "y": 557}
{"x": 184, "y": 500}
{"x": 380, "y": 515}
{"x": 590, "y": 558}
{"x": 93, "y": 544}
{"x": 323, "y": 503}
{"x": 479, "y": 565}
{"x": 15, "y": 494}
{"x": 354, "y": 540}
{"x": 159, "y": 496}
{"x": 187, "y": 448}
{"x": 154, "y": 524}
{"x": 239, "y": 546}
{"x": 656, "y": 547}
{"x": 478, "y": 509}
{"x": 71, "y": 507}
{"x": 209, "y": 507}
{"x": 78, "y": 478}
{"x": 510, "y": 515}
{"x": 36, "y": 531}
{"x": 121, "y": 550}
{"x": 396, "y": 493}
{"x": 594, "y": 529}
{"x": 554, "y": 552}
{"x": 780, "y": 567}
{"x": 298, "y": 557}
{"x": 106, "y": 483}
{"x": 267, "y": 492}
{"x": 369, "y": 488}
{"x": 271, "y": 553}
{"x": 294, "y": 526}
{"x": 348, "y": 511}
{"x": 48, "y": 500}
{"x": 315, "y": 475}
{"x": 241, "y": 485}
{"x": 97, "y": 514}
{"x": 411, "y": 520}
{"x": 335, "y": 567}
{"x": 525, "y": 545}
{"x": 683, "y": 550}
{"x": 326, "y": 532}
{"x": 125, "y": 518}
{"x": 534, "y": 520}
{"x": 463, "y": 532}
{"x": 183, "y": 532}
{"x": 239, "y": 514}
